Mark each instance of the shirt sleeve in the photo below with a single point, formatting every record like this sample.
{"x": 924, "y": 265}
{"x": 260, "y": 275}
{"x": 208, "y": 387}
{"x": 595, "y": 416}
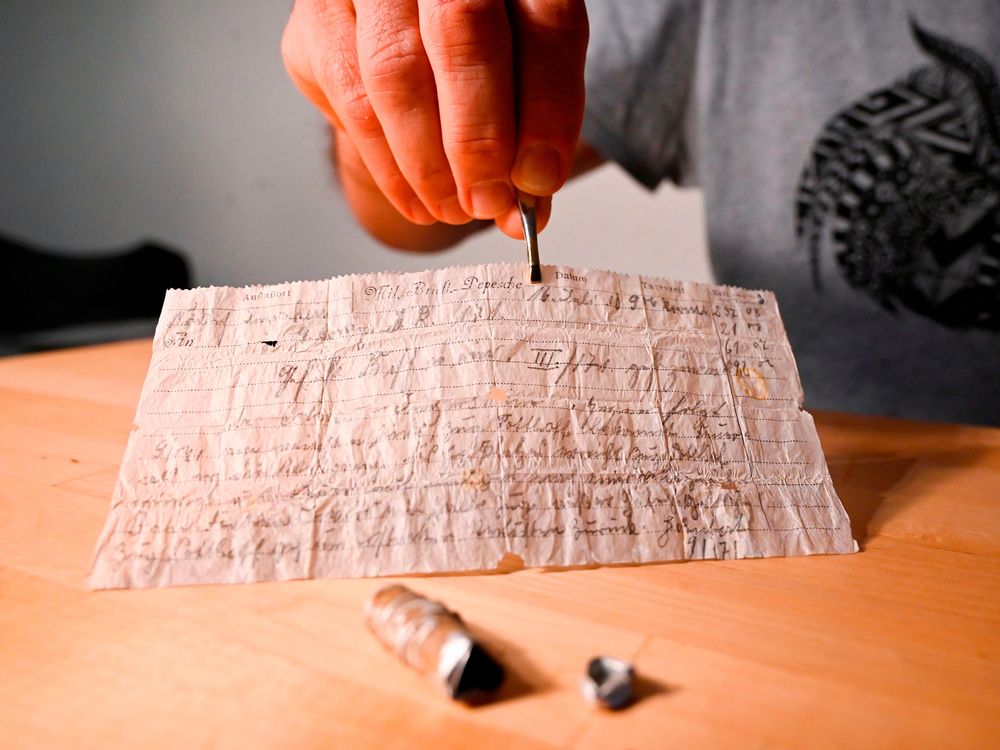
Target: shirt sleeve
{"x": 640, "y": 76}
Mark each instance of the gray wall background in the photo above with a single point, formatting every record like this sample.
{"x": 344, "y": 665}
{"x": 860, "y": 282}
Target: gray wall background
{"x": 175, "y": 120}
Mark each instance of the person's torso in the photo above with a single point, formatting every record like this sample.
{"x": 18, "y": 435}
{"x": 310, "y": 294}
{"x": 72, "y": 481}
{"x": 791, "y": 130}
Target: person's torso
{"x": 850, "y": 155}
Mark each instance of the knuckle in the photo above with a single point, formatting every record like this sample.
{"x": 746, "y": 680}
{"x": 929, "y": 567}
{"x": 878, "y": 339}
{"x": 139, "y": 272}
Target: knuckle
{"x": 434, "y": 180}
{"x": 396, "y": 55}
{"x": 463, "y": 11}
{"x": 556, "y": 102}
{"x": 326, "y": 45}
{"x": 470, "y": 144}
{"x": 336, "y": 64}
{"x": 396, "y": 186}
{"x": 553, "y": 110}
{"x": 356, "y": 111}
{"x": 464, "y": 22}
{"x": 325, "y": 14}
{"x": 346, "y": 91}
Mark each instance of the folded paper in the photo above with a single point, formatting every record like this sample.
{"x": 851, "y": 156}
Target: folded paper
{"x": 400, "y": 423}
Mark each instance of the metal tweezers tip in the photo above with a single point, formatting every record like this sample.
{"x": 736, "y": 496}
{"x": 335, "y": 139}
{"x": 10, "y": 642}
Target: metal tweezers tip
{"x": 526, "y": 203}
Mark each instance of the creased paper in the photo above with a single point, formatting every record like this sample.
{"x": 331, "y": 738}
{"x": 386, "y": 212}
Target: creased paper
{"x": 398, "y": 423}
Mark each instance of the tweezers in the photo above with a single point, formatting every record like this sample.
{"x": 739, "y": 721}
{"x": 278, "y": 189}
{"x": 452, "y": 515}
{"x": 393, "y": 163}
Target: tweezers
{"x": 527, "y": 203}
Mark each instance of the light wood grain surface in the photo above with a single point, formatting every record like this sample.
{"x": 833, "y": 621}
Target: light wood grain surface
{"x": 898, "y": 646}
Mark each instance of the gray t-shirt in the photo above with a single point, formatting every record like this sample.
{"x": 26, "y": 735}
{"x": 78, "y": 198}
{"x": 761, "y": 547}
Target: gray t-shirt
{"x": 850, "y": 158}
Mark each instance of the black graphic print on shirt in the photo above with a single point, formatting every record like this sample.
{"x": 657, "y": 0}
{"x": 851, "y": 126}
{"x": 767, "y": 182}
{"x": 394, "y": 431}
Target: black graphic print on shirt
{"x": 904, "y": 187}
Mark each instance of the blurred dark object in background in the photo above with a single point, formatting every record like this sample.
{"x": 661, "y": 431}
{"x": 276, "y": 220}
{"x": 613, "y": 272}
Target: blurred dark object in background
{"x": 52, "y": 300}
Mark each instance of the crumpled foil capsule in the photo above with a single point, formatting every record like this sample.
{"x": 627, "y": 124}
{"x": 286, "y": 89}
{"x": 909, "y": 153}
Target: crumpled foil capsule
{"x": 433, "y": 640}
{"x": 609, "y": 682}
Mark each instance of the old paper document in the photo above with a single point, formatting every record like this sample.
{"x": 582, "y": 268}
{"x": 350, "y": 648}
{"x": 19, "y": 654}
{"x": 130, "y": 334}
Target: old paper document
{"x": 398, "y": 423}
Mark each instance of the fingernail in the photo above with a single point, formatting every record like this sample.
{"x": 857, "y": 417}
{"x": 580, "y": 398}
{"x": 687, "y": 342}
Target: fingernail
{"x": 490, "y": 199}
{"x": 452, "y": 212}
{"x": 539, "y": 169}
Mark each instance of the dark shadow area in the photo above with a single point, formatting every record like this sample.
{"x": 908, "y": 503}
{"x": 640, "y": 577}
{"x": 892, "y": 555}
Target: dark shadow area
{"x": 647, "y": 687}
{"x": 862, "y": 484}
{"x": 55, "y": 299}
{"x": 522, "y": 677}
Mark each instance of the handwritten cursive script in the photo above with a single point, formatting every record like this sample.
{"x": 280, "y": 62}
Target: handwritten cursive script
{"x": 394, "y": 423}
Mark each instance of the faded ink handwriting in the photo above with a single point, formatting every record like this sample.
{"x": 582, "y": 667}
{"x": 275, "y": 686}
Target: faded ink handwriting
{"x": 392, "y": 423}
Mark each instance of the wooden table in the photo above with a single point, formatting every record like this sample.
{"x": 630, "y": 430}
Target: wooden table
{"x": 898, "y": 646}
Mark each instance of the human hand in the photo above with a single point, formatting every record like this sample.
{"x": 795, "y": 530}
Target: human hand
{"x": 449, "y": 104}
